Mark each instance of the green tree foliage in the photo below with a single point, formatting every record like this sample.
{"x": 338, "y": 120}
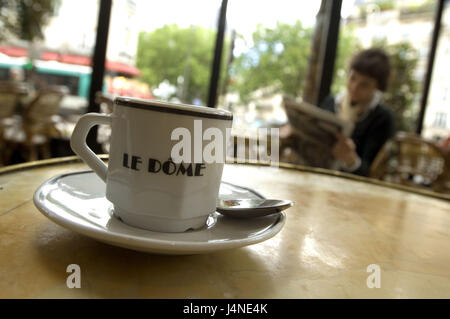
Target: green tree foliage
{"x": 403, "y": 87}
{"x": 277, "y": 59}
{"x": 170, "y": 52}
{"x": 24, "y": 19}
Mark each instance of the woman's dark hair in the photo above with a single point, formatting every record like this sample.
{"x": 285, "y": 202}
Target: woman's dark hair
{"x": 373, "y": 63}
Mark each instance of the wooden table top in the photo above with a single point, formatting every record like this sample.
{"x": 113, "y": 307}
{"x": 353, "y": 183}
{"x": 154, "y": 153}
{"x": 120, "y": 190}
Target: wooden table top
{"x": 336, "y": 230}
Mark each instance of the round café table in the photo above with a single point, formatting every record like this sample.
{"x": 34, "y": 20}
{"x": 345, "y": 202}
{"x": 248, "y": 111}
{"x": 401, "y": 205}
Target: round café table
{"x": 339, "y": 229}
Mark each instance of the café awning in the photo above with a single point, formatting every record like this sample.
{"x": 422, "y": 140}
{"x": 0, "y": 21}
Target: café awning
{"x": 76, "y": 59}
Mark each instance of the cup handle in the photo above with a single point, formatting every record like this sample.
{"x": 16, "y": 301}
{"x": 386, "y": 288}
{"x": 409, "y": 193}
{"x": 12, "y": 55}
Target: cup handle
{"x": 78, "y": 141}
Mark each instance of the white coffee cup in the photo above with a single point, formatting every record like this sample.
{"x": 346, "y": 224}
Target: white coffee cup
{"x": 147, "y": 188}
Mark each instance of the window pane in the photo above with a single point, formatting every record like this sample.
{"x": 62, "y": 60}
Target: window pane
{"x": 162, "y": 49}
{"x": 436, "y": 124}
{"x": 61, "y": 57}
{"x": 45, "y": 48}
{"x": 270, "y": 43}
{"x": 403, "y": 28}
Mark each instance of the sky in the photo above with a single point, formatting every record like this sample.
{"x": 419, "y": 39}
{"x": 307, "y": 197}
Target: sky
{"x": 242, "y": 15}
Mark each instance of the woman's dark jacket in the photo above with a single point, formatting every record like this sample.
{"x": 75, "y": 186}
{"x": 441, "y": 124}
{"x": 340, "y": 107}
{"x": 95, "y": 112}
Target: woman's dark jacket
{"x": 369, "y": 134}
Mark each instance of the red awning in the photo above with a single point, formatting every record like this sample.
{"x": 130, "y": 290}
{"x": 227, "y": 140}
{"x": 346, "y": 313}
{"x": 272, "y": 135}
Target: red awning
{"x": 16, "y": 52}
{"x": 122, "y": 68}
{"x": 75, "y": 59}
{"x": 71, "y": 59}
{"x": 50, "y": 56}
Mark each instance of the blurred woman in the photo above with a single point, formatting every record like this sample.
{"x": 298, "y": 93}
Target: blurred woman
{"x": 374, "y": 123}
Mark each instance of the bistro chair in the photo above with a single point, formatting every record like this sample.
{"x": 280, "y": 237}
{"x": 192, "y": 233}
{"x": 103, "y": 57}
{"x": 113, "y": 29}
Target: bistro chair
{"x": 11, "y": 94}
{"x": 106, "y": 103}
{"x": 410, "y": 160}
{"x": 38, "y": 123}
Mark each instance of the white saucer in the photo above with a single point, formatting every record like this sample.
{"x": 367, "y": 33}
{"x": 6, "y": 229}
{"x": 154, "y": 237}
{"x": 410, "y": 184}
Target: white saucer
{"x": 77, "y": 201}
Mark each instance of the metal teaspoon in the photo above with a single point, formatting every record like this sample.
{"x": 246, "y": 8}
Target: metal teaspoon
{"x": 250, "y": 208}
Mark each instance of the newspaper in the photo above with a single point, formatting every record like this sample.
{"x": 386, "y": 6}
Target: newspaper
{"x": 314, "y": 132}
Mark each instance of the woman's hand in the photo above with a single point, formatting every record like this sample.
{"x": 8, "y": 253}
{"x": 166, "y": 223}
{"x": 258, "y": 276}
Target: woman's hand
{"x": 345, "y": 150}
